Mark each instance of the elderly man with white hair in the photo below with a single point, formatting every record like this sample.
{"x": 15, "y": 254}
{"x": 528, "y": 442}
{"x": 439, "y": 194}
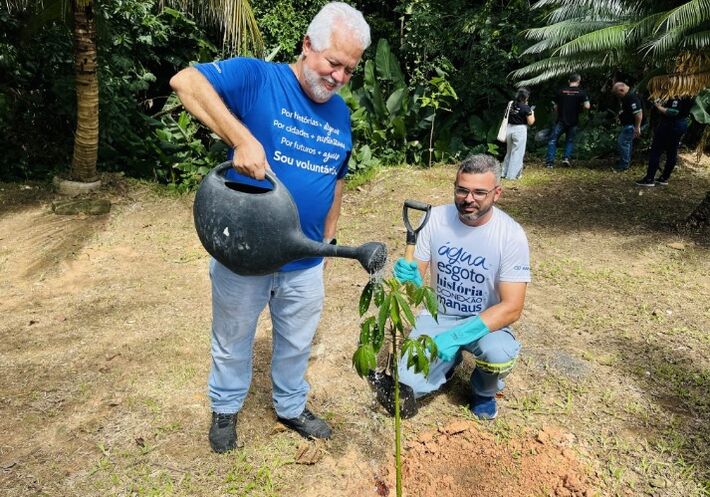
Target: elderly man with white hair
{"x": 287, "y": 118}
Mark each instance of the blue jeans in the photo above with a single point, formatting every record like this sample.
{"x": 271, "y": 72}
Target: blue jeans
{"x": 495, "y": 355}
{"x": 295, "y": 301}
{"x": 625, "y": 145}
{"x": 666, "y": 138}
{"x": 570, "y": 132}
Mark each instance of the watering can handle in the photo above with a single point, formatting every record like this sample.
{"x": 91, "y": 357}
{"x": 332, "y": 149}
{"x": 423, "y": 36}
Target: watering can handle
{"x": 411, "y": 231}
{"x": 269, "y": 175}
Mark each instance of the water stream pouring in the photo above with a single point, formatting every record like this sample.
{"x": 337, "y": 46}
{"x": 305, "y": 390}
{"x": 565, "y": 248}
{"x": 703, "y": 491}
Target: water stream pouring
{"x": 254, "y": 231}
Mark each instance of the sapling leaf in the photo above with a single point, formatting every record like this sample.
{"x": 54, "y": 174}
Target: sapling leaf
{"x": 408, "y": 351}
{"x": 418, "y": 295}
{"x": 384, "y": 312}
{"x": 429, "y": 345}
{"x": 422, "y": 362}
{"x": 378, "y": 336}
{"x": 379, "y": 294}
{"x": 366, "y": 297}
{"x": 394, "y": 312}
{"x": 366, "y": 331}
{"x": 364, "y": 360}
{"x": 430, "y": 303}
{"x": 404, "y": 307}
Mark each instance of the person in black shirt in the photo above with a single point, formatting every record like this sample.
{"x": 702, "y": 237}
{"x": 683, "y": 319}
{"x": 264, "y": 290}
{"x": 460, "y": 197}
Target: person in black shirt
{"x": 630, "y": 116}
{"x": 516, "y": 137}
{"x": 672, "y": 126}
{"x": 569, "y": 102}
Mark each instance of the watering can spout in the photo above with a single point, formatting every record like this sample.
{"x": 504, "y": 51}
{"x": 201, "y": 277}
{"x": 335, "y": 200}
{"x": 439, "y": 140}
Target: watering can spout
{"x": 255, "y": 231}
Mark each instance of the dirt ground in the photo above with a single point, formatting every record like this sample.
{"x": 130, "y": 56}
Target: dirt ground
{"x": 104, "y": 353}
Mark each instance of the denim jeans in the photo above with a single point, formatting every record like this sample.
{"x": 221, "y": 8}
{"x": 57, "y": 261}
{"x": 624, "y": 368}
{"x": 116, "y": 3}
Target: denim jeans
{"x": 516, "y": 138}
{"x": 295, "y": 301}
{"x": 666, "y": 138}
{"x": 625, "y": 145}
{"x": 495, "y": 355}
{"x": 570, "y": 132}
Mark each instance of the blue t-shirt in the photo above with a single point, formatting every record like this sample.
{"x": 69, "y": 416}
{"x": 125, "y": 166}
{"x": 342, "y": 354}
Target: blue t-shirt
{"x": 307, "y": 144}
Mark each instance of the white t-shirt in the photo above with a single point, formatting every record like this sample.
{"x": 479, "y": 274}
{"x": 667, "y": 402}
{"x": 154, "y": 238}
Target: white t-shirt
{"x": 467, "y": 262}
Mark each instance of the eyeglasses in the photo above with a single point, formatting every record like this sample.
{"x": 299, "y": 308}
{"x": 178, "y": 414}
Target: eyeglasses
{"x": 461, "y": 192}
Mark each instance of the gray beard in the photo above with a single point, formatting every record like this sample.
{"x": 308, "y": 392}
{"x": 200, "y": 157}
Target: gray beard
{"x": 314, "y": 85}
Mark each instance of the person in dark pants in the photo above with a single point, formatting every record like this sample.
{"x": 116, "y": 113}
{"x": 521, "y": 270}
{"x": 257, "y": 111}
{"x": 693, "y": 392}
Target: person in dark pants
{"x": 569, "y": 102}
{"x": 672, "y": 126}
{"x": 630, "y": 116}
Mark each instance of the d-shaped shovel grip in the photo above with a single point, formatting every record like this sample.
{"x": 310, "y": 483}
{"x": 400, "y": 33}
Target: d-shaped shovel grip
{"x": 411, "y": 231}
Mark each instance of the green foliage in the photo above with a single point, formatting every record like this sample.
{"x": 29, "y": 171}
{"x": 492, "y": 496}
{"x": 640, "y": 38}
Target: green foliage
{"x": 141, "y": 47}
{"x": 394, "y": 302}
{"x": 701, "y": 107}
{"x": 36, "y": 97}
{"x": 183, "y": 158}
{"x": 389, "y": 117}
{"x": 283, "y": 24}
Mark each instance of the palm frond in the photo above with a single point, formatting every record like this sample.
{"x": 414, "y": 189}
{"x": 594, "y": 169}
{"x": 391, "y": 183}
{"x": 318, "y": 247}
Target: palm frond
{"x": 686, "y": 17}
{"x": 645, "y": 28}
{"x": 565, "y": 30}
{"x": 571, "y": 31}
{"x": 697, "y": 41}
{"x": 563, "y": 67}
{"x": 656, "y": 47}
{"x": 595, "y": 10}
{"x": 234, "y": 17}
{"x": 609, "y": 38}
{"x": 609, "y": 59}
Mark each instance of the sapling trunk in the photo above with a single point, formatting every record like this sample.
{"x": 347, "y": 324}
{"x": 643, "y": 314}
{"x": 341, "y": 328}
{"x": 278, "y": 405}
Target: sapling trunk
{"x": 397, "y": 420}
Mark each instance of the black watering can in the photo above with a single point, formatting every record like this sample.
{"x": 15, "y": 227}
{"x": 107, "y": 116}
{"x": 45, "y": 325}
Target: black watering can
{"x": 254, "y": 231}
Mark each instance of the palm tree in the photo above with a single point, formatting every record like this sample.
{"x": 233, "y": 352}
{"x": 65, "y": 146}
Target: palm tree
{"x": 666, "y": 40}
{"x": 234, "y": 17}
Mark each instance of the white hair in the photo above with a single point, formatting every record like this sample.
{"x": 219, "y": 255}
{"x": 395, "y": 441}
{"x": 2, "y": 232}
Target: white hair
{"x": 337, "y": 13}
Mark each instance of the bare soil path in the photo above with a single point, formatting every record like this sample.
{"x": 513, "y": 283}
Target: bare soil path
{"x": 104, "y": 353}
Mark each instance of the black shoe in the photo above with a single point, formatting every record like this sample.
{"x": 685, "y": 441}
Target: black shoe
{"x": 662, "y": 181}
{"x": 308, "y": 425}
{"x": 223, "y": 432}
{"x": 645, "y": 182}
{"x": 549, "y": 165}
{"x": 566, "y": 163}
{"x": 383, "y": 384}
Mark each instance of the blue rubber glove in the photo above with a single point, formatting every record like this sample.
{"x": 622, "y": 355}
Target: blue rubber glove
{"x": 449, "y": 342}
{"x": 407, "y": 271}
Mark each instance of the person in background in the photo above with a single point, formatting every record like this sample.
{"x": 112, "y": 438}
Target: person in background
{"x": 673, "y": 124}
{"x": 569, "y": 102}
{"x": 521, "y": 116}
{"x": 290, "y": 119}
{"x": 630, "y": 116}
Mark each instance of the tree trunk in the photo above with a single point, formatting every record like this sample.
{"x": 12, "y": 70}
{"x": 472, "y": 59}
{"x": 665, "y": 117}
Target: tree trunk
{"x": 700, "y": 217}
{"x": 86, "y": 139}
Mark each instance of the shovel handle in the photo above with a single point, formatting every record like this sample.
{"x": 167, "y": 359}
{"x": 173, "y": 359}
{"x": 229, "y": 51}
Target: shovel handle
{"x": 409, "y": 253}
{"x": 411, "y": 231}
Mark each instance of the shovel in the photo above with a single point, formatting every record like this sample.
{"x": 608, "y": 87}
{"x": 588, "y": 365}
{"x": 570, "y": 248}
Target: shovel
{"x": 382, "y": 381}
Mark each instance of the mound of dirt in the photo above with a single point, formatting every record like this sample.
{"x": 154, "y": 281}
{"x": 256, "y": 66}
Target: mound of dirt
{"x": 459, "y": 460}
